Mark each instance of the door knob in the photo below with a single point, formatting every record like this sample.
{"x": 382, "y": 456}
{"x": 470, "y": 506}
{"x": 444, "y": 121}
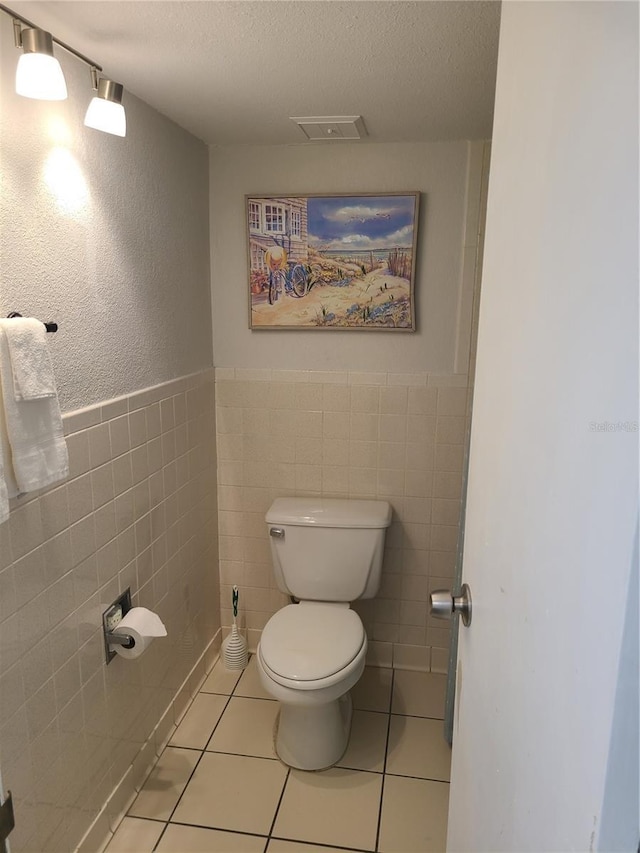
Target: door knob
{"x": 443, "y": 605}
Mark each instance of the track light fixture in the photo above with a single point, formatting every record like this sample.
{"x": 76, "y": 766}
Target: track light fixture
{"x": 40, "y": 76}
{"x": 105, "y": 111}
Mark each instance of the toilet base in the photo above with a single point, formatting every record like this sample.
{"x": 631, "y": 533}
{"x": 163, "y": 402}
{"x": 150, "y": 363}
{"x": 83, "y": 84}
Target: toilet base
{"x": 314, "y": 737}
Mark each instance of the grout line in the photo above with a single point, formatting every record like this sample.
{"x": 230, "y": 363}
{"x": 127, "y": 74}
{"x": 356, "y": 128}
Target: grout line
{"x": 219, "y": 829}
{"x": 418, "y": 717}
{"x": 273, "y": 822}
{"x": 322, "y": 845}
{"x": 213, "y": 731}
{"x": 239, "y": 754}
{"x": 419, "y": 778}
{"x": 197, "y": 764}
{"x": 155, "y": 847}
{"x": 386, "y": 750}
{"x": 354, "y": 769}
{"x": 243, "y": 755}
{"x": 137, "y": 817}
{"x": 195, "y": 767}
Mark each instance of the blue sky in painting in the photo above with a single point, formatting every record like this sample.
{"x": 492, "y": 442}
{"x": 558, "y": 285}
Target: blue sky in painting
{"x": 361, "y": 223}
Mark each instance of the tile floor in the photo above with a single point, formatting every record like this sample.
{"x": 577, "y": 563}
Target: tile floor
{"x": 218, "y": 787}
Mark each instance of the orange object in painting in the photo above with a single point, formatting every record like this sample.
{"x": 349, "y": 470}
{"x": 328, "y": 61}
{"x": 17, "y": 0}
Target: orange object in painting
{"x": 276, "y": 258}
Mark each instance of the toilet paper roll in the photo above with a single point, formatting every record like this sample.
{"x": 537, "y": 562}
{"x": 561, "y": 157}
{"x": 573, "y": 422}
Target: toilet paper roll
{"x": 144, "y": 626}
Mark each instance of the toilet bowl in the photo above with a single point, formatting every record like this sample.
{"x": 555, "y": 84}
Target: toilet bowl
{"x": 309, "y": 657}
{"x": 326, "y": 553}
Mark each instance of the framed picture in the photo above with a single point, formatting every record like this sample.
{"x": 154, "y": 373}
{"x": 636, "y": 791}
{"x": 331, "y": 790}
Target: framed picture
{"x": 332, "y": 261}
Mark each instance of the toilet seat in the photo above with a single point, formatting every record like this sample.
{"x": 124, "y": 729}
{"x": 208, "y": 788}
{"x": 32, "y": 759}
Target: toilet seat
{"x": 312, "y": 645}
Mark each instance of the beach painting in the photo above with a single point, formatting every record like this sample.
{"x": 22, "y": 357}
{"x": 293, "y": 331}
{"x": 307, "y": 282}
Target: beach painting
{"x": 332, "y": 261}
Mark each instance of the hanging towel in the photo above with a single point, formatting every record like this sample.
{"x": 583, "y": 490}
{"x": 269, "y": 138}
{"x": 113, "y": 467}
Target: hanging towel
{"x": 4, "y": 491}
{"x": 38, "y": 451}
{"x": 8, "y": 486}
{"x": 31, "y": 364}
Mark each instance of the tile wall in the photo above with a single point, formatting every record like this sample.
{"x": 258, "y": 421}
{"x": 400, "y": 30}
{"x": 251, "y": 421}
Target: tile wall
{"x": 397, "y": 437}
{"x": 139, "y": 511}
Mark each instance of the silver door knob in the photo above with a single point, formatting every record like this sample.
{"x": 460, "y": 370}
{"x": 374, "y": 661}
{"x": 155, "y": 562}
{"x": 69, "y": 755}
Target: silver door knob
{"x": 442, "y": 604}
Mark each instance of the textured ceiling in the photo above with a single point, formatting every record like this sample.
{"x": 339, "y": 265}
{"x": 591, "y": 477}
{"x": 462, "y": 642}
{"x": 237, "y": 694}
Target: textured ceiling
{"x": 233, "y": 71}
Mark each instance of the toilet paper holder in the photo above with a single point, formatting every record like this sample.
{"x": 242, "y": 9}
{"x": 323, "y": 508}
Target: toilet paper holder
{"x": 110, "y": 618}
{"x": 120, "y": 640}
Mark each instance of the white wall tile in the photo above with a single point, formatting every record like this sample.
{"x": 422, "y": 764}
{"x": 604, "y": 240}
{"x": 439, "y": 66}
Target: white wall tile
{"x": 356, "y": 378}
{"x": 422, "y": 401}
{"x": 414, "y": 379}
{"x": 365, "y": 398}
{"x": 324, "y": 376}
{"x": 373, "y": 436}
{"x": 393, "y": 400}
{"x": 73, "y": 546}
{"x": 447, "y": 380}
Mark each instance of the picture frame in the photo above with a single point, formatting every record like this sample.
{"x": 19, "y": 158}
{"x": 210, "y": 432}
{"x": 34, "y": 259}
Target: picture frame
{"x": 340, "y": 261}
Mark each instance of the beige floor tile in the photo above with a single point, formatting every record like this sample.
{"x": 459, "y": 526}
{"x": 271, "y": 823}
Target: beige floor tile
{"x": 194, "y": 839}
{"x": 277, "y": 845}
{"x": 249, "y": 684}
{"x": 367, "y": 742}
{"x": 220, "y": 680}
{"x": 167, "y": 780}
{"x": 233, "y": 792}
{"x": 200, "y": 720}
{"x": 246, "y": 728}
{"x": 334, "y": 806}
{"x": 135, "y": 835}
{"x": 417, "y": 748}
{"x": 420, "y": 694}
{"x": 414, "y": 816}
{"x": 373, "y": 691}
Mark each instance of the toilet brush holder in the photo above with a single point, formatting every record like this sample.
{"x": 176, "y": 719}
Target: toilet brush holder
{"x": 234, "y": 648}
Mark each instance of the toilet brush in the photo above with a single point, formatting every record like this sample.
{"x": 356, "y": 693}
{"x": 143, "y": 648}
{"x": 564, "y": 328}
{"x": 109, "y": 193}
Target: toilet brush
{"x": 234, "y": 648}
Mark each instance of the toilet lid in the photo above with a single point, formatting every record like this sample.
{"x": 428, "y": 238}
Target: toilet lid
{"x": 308, "y": 642}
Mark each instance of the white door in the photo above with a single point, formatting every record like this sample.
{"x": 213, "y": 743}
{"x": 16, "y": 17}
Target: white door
{"x": 553, "y": 479}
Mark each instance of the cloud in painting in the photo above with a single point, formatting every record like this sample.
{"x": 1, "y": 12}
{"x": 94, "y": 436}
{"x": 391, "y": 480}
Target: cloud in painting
{"x": 360, "y": 213}
{"x": 362, "y": 243}
{"x": 361, "y": 223}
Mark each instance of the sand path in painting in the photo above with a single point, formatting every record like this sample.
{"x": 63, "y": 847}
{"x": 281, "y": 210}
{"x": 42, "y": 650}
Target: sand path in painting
{"x": 369, "y": 290}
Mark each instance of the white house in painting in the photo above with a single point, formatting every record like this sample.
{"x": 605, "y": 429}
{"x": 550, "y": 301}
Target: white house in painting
{"x": 276, "y": 221}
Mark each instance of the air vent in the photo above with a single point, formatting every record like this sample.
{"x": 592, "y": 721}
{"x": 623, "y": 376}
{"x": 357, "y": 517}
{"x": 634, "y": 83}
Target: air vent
{"x": 331, "y": 128}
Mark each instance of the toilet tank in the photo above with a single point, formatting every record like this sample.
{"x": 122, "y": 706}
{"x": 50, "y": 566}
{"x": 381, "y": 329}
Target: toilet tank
{"x": 327, "y": 549}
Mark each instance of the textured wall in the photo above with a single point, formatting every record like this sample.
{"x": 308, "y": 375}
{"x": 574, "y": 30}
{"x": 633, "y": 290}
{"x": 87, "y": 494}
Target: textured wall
{"x": 438, "y": 171}
{"x": 106, "y": 235}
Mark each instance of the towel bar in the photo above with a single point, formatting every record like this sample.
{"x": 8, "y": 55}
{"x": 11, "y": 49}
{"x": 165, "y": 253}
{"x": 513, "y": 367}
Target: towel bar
{"x": 50, "y": 326}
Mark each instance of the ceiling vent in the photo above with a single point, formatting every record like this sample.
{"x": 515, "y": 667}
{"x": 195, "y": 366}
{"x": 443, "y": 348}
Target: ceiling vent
{"x": 331, "y": 128}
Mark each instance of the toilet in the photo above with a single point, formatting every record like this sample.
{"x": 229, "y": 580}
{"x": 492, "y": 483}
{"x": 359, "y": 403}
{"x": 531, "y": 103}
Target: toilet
{"x": 326, "y": 553}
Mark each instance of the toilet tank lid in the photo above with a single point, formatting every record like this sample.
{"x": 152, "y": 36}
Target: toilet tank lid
{"x": 329, "y": 512}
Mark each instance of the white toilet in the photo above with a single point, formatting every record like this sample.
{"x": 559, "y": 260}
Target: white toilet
{"x": 325, "y": 553}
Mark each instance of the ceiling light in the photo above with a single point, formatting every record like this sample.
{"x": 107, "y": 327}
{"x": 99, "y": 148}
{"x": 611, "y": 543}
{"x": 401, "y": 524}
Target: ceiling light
{"x": 39, "y": 74}
{"x": 105, "y": 111}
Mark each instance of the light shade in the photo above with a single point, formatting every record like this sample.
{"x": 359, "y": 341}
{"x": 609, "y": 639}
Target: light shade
{"x": 105, "y": 111}
{"x": 39, "y": 74}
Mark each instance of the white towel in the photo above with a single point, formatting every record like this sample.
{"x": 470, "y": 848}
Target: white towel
{"x": 7, "y": 476}
{"x": 4, "y": 492}
{"x": 38, "y": 451}
{"x": 31, "y": 364}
